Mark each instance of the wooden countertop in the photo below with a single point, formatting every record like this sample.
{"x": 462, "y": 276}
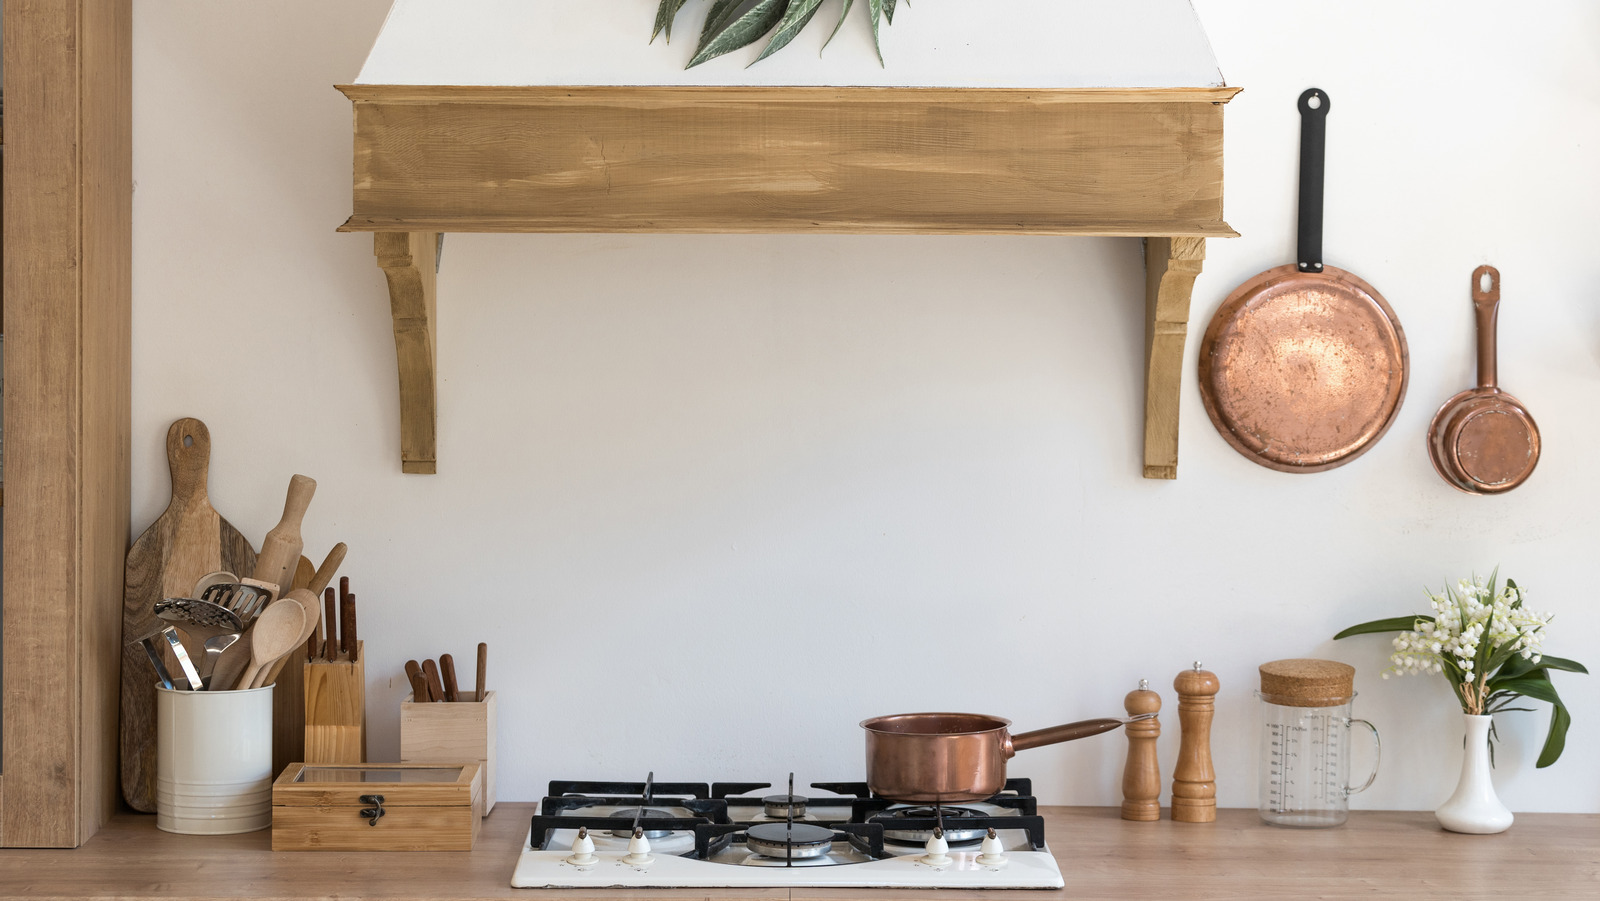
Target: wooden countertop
{"x": 1377, "y": 854}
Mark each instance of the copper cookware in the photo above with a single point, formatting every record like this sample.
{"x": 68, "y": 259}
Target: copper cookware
{"x": 1303, "y": 367}
{"x": 953, "y": 757}
{"x": 1483, "y": 441}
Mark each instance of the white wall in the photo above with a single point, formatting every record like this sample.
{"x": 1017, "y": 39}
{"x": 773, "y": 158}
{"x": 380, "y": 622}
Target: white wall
{"x": 712, "y": 500}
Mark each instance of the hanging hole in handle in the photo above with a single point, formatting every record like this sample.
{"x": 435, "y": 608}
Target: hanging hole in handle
{"x": 1377, "y": 757}
{"x": 1485, "y": 283}
{"x": 1315, "y": 100}
{"x": 188, "y": 441}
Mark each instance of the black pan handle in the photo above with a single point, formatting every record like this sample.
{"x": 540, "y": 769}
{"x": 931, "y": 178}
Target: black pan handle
{"x": 1314, "y": 106}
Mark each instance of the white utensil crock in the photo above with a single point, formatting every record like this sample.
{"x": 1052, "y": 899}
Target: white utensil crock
{"x": 213, "y": 761}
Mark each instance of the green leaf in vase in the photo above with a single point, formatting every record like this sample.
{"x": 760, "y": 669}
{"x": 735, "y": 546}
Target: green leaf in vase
{"x": 1393, "y": 624}
{"x": 1555, "y": 741}
{"x": 1536, "y": 688}
{"x": 794, "y": 21}
{"x": 1514, "y": 668}
{"x": 664, "y": 16}
{"x": 1561, "y": 663}
{"x": 888, "y": 11}
{"x": 741, "y": 30}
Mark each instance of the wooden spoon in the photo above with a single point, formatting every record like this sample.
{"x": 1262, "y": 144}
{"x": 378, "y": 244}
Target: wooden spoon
{"x": 313, "y": 616}
{"x": 277, "y": 632}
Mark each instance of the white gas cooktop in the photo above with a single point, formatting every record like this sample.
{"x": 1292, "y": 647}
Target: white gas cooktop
{"x": 722, "y": 836}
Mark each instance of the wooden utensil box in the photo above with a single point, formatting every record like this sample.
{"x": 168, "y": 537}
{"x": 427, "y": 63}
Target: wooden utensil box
{"x": 377, "y": 807}
{"x": 463, "y": 730}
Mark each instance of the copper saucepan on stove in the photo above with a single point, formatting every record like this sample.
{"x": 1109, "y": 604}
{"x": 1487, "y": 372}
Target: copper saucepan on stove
{"x": 954, "y": 757}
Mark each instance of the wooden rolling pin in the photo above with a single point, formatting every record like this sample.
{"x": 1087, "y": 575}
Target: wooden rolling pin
{"x": 275, "y": 565}
{"x": 280, "y": 550}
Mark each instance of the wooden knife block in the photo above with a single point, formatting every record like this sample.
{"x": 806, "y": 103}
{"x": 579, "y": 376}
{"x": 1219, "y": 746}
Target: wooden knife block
{"x": 336, "y": 709}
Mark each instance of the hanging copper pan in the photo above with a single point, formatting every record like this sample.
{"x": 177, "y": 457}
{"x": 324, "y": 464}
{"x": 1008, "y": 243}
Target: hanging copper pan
{"x": 1483, "y": 440}
{"x": 1303, "y": 367}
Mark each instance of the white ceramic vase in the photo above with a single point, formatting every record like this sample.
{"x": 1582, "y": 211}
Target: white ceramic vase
{"x": 1475, "y": 808}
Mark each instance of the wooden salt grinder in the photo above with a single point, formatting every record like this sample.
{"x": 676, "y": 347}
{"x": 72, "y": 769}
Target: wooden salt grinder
{"x": 1194, "y": 781}
{"x": 1141, "y": 776}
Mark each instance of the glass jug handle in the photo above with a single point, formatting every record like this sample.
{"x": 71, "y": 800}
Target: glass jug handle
{"x": 1377, "y": 755}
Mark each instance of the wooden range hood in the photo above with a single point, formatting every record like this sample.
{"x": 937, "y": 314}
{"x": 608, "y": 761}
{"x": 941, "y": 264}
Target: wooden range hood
{"x": 445, "y": 141}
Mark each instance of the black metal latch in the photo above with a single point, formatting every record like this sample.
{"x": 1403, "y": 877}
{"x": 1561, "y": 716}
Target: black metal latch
{"x": 375, "y": 811}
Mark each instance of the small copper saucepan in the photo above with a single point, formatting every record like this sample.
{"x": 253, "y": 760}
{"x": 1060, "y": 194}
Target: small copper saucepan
{"x": 954, "y": 757}
{"x": 1483, "y": 440}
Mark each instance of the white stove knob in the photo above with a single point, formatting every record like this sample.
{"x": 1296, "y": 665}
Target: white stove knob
{"x": 583, "y": 850}
{"x": 992, "y": 854}
{"x": 638, "y": 850}
{"x": 938, "y": 851}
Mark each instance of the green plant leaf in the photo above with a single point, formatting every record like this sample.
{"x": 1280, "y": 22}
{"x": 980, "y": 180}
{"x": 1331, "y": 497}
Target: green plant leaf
{"x": 1393, "y": 624}
{"x": 888, "y": 11}
{"x": 1538, "y": 689}
{"x": 740, "y": 30}
{"x": 1555, "y": 741}
{"x": 1501, "y": 656}
{"x": 1560, "y": 663}
{"x": 664, "y": 16}
{"x": 1515, "y": 667}
{"x": 716, "y": 18}
{"x": 876, "y": 8}
{"x": 843, "y": 13}
{"x": 798, "y": 16}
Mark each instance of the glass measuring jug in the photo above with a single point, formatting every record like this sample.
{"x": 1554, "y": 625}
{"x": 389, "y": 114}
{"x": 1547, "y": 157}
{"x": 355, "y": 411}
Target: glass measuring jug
{"x": 1305, "y": 763}
{"x": 1305, "y": 743}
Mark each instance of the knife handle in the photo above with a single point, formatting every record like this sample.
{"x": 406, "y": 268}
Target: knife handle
{"x": 419, "y": 683}
{"x": 435, "y": 687}
{"x": 330, "y": 614}
{"x": 347, "y": 626}
{"x": 447, "y": 667}
{"x": 483, "y": 666}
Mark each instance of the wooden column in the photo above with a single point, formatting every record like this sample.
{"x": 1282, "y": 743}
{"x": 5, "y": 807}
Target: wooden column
{"x": 1170, "y": 267}
{"x": 68, "y": 247}
{"x": 409, "y": 260}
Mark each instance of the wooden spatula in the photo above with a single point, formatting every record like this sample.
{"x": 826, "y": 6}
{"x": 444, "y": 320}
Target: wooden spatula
{"x": 187, "y": 541}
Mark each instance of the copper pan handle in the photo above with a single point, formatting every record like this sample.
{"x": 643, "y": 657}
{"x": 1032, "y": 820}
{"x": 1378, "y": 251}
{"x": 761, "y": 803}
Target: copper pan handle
{"x": 1486, "y": 301}
{"x": 1058, "y": 734}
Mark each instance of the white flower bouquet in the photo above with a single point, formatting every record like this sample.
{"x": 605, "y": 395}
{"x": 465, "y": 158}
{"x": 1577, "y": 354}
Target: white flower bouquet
{"x": 1488, "y": 644}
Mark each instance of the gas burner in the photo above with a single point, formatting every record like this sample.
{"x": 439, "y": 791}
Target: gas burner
{"x": 649, "y": 813}
{"x": 788, "y": 841}
{"x": 782, "y": 807}
{"x": 954, "y": 832}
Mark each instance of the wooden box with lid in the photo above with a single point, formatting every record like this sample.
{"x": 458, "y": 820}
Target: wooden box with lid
{"x": 377, "y": 807}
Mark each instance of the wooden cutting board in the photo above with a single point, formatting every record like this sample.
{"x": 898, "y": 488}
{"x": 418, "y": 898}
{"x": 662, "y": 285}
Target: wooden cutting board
{"x": 188, "y": 540}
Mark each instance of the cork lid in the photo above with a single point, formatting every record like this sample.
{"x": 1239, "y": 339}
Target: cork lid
{"x": 1308, "y": 683}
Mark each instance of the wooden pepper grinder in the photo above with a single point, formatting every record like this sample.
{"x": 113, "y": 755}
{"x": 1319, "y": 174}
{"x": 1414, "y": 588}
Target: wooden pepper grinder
{"x": 1141, "y": 776}
{"x": 1194, "y": 782}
